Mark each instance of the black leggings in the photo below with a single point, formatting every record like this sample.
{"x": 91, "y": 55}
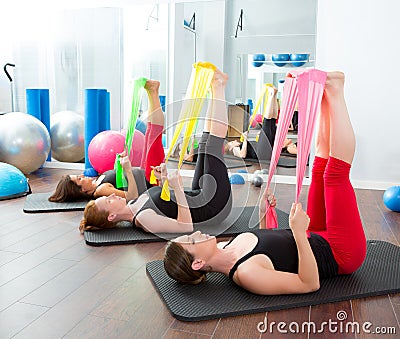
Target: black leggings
{"x": 211, "y": 189}
{"x": 262, "y": 150}
{"x": 210, "y": 199}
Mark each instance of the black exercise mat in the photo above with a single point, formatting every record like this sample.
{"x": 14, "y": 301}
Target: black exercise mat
{"x": 219, "y": 297}
{"x": 229, "y": 162}
{"x": 237, "y": 222}
{"x": 38, "y": 203}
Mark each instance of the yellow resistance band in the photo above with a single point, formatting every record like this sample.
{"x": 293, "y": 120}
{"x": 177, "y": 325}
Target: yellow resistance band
{"x": 263, "y": 95}
{"x": 199, "y": 85}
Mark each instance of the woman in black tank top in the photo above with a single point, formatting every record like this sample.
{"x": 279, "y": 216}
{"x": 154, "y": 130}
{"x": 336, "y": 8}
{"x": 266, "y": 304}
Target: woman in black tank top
{"x": 209, "y": 200}
{"x": 271, "y": 262}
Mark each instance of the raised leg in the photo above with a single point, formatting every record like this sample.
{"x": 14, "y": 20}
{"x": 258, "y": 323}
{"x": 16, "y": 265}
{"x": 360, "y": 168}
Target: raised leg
{"x": 156, "y": 115}
{"x": 153, "y": 154}
{"x": 342, "y": 139}
{"x": 316, "y": 193}
{"x": 272, "y": 105}
{"x": 345, "y": 232}
{"x": 219, "y": 115}
{"x": 216, "y": 124}
{"x": 216, "y": 188}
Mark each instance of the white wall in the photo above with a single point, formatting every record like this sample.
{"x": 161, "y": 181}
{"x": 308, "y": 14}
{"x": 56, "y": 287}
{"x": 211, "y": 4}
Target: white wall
{"x": 209, "y": 29}
{"x": 181, "y": 55}
{"x": 145, "y": 46}
{"x": 65, "y": 51}
{"x": 361, "y": 38}
{"x": 269, "y": 26}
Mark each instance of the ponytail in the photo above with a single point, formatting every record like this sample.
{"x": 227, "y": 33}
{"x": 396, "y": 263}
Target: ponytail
{"x": 178, "y": 265}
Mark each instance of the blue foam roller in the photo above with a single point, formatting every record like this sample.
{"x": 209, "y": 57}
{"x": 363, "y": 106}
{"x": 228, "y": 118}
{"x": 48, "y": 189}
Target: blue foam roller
{"x": 242, "y": 171}
{"x": 103, "y": 109}
{"x": 33, "y": 102}
{"x": 38, "y": 105}
{"x": 90, "y": 172}
{"x": 141, "y": 126}
{"x": 91, "y": 119}
{"x": 162, "y": 102}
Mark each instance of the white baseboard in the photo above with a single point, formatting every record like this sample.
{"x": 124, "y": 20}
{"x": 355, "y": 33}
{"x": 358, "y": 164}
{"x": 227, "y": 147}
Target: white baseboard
{"x": 372, "y": 185}
{"x": 279, "y": 179}
{"x": 64, "y": 165}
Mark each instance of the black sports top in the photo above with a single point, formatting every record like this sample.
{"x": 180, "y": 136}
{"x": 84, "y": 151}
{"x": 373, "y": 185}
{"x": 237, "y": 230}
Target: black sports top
{"x": 168, "y": 208}
{"x": 200, "y": 210}
{"x": 138, "y": 173}
{"x": 281, "y": 248}
{"x": 109, "y": 177}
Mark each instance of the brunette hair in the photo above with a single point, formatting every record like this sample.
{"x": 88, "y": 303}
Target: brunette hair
{"x": 178, "y": 265}
{"x": 67, "y": 190}
{"x": 94, "y": 218}
{"x": 226, "y": 147}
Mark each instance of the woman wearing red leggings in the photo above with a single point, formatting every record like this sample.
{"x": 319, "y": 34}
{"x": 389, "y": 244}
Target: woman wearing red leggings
{"x": 326, "y": 241}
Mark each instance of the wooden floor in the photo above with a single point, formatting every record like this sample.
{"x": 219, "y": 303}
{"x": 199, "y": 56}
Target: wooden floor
{"x": 52, "y": 285}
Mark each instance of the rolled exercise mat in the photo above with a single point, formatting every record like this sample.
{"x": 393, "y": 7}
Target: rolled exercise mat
{"x": 104, "y": 110}
{"x": 38, "y": 105}
{"x": 219, "y": 297}
{"x": 97, "y": 116}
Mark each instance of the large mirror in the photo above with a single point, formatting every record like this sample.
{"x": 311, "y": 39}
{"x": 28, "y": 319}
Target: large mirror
{"x": 83, "y": 45}
{"x": 76, "y": 48}
{"x": 258, "y": 33}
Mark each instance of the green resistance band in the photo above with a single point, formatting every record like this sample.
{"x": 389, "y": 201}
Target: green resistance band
{"x": 138, "y": 87}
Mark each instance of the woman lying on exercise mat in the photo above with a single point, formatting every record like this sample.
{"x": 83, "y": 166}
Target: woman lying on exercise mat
{"x": 209, "y": 200}
{"x": 79, "y": 187}
{"x": 326, "y": 241}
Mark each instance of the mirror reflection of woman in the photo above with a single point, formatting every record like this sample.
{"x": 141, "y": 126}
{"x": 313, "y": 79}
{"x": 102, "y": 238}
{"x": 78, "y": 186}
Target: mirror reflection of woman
{"x": 326, "y": 241}
{"x": 80, "y": 187}
{"x": 261, "y": 148}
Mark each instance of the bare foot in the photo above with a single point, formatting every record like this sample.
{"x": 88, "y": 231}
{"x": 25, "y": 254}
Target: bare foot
{"x": 152, "y": 85}
{"x": 272, "y": 90}
{"x": 334, "y": 82}
{"x": 219, "y": 79}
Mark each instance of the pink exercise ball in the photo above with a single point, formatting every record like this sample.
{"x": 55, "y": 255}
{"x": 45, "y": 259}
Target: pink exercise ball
{"x": 257, "y": 120}
{"x": 136, "y": 154}
{"x": 103, "y": 149}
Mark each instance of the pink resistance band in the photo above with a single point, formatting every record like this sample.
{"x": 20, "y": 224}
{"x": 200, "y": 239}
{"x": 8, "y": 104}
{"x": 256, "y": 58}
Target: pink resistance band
{"x": 307, "y": 87}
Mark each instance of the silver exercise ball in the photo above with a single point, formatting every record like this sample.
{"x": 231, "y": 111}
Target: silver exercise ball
{"x": 24, "y": 141}
{"x": 67, "y": 136}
